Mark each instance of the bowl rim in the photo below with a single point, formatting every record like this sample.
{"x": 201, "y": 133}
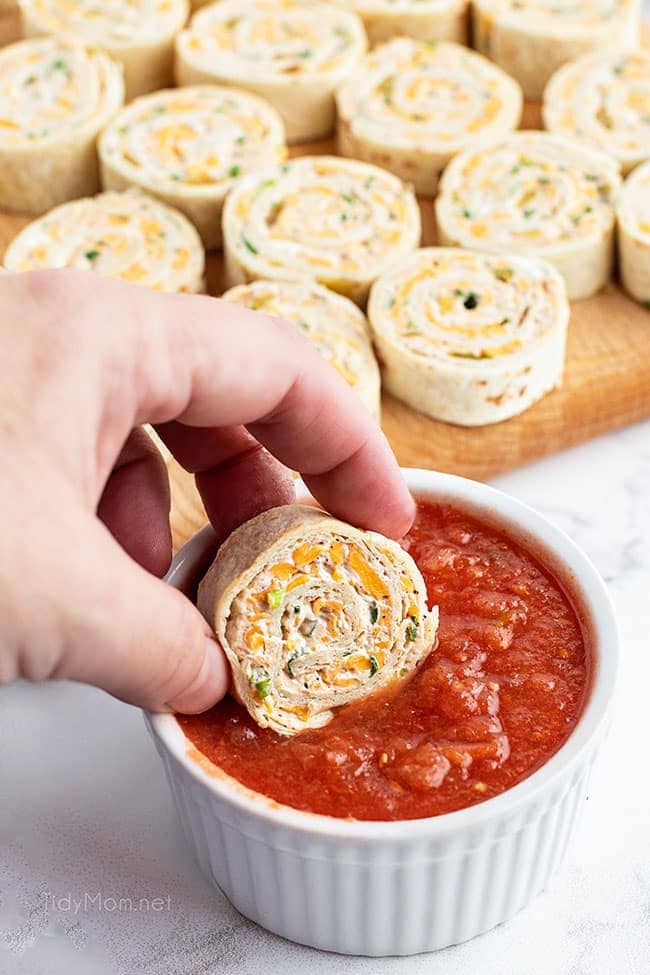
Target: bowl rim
{"x": 534, "y": 531}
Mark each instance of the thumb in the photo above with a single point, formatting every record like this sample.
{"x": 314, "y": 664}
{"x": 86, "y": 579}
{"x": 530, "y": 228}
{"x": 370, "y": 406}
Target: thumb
{"x": 133, "y": 635}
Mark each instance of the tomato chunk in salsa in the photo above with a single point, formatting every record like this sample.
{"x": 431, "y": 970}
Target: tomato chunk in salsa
{"x": 497, "y": 696}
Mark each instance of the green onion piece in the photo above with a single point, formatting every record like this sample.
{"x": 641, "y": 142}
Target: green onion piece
{"x": 274, "y": 597}
{"x": 467, "y": 214}
{"x": 528, "y": 214}
{"x": 91, "y": 255}
{"x": 471, "y": 301}
{"x": 262, "y": 685}
{"x": 291, "y": 662}
{"x": 234, "y": 171}
{"x": 248, "y": 245}
{"x": 374, "y": 612}
{"x": 347, "y": 197}
{"x": 412, "y": 629}
{"x": 374, "y": 665}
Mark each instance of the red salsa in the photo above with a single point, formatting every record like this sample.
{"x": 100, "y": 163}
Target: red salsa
{"x": 499, "y": 694}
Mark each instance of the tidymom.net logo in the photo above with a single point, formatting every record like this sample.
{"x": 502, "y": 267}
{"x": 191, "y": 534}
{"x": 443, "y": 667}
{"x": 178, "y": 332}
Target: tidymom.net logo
{"x": 97, "y": 901}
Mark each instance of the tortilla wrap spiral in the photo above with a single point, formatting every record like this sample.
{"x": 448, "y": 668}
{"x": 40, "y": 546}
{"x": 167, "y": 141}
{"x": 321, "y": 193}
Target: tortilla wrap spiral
{"x": 294, "y": 53}
{"x": 139, "y": 34}
{"x": 411, "y": 106}
{"x": 530, "y": 39}
{"x": 56, "y": 94}
{"x": 312, "y": 614}
{"x": 634, "y": 234}
{"x": 337, "y": 221}
{"x": 603, "y": 99}
{"x": 537, "y": 194}
{"x": 189, "y": 147}
{"x": 335, "y": 325}
{"x": 470, "y": 338}
{"x": 119, "y": 235}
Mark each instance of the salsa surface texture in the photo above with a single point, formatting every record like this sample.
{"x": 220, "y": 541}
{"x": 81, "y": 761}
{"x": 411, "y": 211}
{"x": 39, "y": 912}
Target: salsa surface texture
{"x": 500, "y": 693}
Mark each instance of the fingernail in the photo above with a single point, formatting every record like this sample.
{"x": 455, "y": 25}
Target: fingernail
{"x": 210, "y": 684}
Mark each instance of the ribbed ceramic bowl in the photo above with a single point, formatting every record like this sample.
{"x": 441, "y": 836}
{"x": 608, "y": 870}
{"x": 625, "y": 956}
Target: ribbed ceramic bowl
{"x": 397, "y": 888}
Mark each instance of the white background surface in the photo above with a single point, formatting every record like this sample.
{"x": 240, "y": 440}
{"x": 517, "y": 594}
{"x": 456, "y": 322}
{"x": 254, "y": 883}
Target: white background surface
{"x": 84, "y": 809}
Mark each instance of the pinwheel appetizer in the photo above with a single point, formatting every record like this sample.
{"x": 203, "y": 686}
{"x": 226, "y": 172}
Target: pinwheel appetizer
{"x": 333, "y": 323}
{"x": 336, "y": 221}
{"x": 55, "y": 96}
{"x": 139, "y": 34}
{"x": 412, "y": 106}
{"x": 604, "y": 99}
{"x": 295, "y": 54}
{"x": 634, "y": 234}
{"x": 470, "y": 338}
{"x": 535, "y": 193}
{"x": 312, "y": 614}
{"x": 426, "y": 20}
{"x": 189, "y": 147}
{"x": 120, "y": 235}
{"x": 530, "y": 39}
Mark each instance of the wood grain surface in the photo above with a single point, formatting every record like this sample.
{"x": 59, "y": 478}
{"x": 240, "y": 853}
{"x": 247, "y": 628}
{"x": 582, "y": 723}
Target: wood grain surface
{"x": 606, "y": 383}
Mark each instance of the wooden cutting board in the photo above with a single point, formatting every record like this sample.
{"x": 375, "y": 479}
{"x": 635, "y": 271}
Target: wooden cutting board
{"x": 606, "y": 383}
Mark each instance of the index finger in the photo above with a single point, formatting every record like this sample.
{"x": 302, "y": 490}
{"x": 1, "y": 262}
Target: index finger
{"x": 223, "y": 365}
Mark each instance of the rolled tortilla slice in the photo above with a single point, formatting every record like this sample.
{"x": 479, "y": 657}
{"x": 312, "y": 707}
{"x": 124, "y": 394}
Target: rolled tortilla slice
{"x": 537, "y": 194}
{"x": 312, "y": 614}
{"x": 531, "y": 39}
{"x": 411, "y": 106}
{"x": 333, "y": 323}
{"x": 425, "y": 20}
{"x": 139, "y": 34}
{"x": 469, "y": 338}
{"x": 338, "y": 221}
{"x": 56, "y": 94}
{"x": 189, "y": 147}
{"x": 634, "y": 234}
{"x": 604, "y": 99}
{"x": 120, "y": 235}
{"x": 295, "y": 54}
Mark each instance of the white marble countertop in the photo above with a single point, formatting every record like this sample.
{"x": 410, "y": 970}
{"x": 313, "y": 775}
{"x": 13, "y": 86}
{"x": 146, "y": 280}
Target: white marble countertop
{"x": 86, "y": 818}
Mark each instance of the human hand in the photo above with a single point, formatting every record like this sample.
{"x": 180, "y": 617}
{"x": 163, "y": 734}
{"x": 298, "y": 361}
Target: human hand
{"x": 84, "y": 497}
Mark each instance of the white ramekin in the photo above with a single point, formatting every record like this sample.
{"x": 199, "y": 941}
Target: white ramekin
{"x": 397, "y": 888}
